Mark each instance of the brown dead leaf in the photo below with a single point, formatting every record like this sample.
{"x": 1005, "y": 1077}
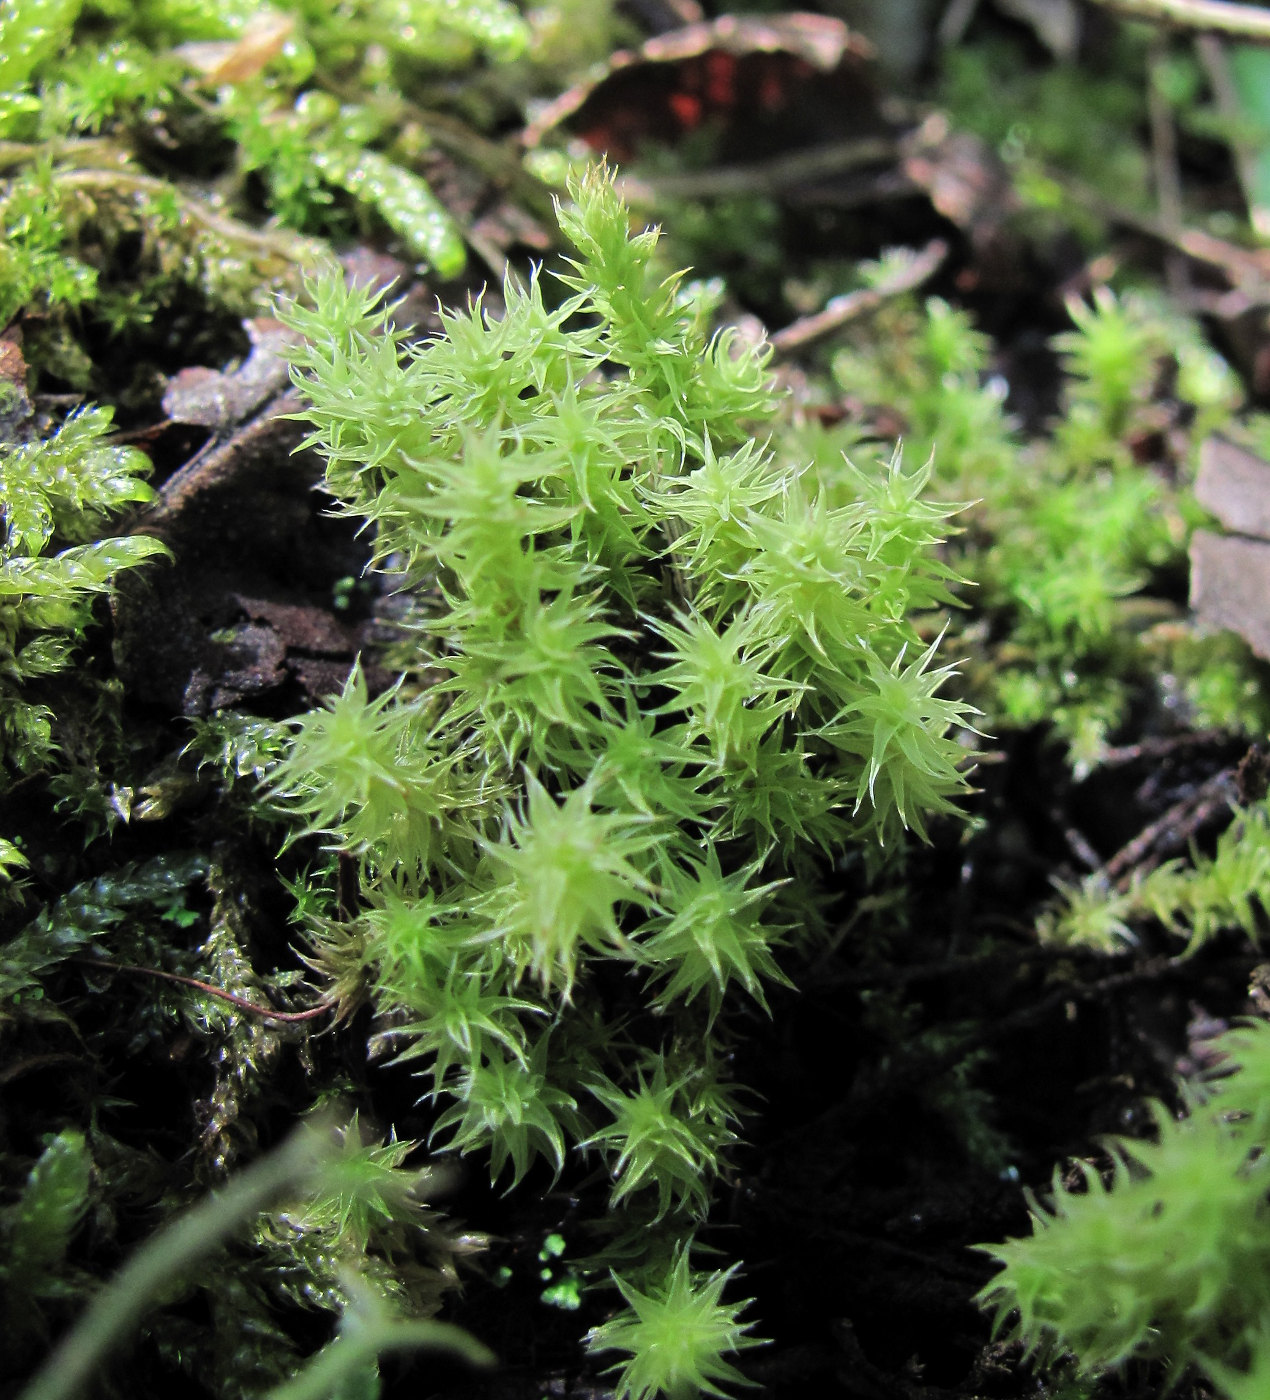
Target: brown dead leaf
{"x": 1230, "y": 586}
{"x": 796, "y": 77}
{"x": 234, "y": 61}
{"x": 301, "y": 626}
{"x": 1056, "y": 23}
{"x": 16, "y": 410}
{"x": 965, "y": 179}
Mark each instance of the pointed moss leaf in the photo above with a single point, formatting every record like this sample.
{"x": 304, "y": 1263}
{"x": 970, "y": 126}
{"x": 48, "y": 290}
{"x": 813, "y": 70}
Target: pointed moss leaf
{"x": 669, "y": 655}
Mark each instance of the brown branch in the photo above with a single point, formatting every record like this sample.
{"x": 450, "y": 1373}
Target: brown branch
{"x": 281, "y": 243}
{"x": 1172, "y": 831}
{"x": 978, "y": 965}
{"x": 1162, "y": 746}
{"x": 772, "y": 177}
{"x": 242, "y": 1004}
{"x": 1215, "y": 16}
{"x": 1247, "y": 269}
{"x": 851, "y": 306}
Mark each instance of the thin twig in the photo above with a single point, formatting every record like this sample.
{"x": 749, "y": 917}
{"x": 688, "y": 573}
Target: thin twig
{"x": 1078, "y": 844}
{"x": 1248, "y": 269}
{"x": 1162, "y": 746}
{"x": 1171, "y": 831}
{"x": 282, "y": 243}
{"x": 923, "y": 1067}
{"x": 769, "y": 177}
{"x": 265, "y": 1012}
{"x": 976, "y": 965}
{"x": 95, "y": 149}
{"x": 851, "y": 306}
{"x": 1216, "y": 16}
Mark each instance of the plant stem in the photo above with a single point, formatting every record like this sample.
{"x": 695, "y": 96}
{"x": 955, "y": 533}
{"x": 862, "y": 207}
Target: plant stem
{"x": 342, "y": 1359}
{"x": 264, "y": 1012}
{"x": 1217, "y": 16}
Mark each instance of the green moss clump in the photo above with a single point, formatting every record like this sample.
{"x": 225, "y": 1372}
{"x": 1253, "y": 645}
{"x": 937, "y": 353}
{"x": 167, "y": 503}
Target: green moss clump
{"x": 1072, "y": 541}
{"x": 673, "y": 673}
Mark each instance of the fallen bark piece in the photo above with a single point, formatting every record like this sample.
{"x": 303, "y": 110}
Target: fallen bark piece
{"x": 223, "y": 399}
{"x": 1234, "y": 485}
{"x": 1230, "y": 586}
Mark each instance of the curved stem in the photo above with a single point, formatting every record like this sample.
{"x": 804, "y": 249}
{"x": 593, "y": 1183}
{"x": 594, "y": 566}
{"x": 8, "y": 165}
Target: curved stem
{"x": 112, "y": 1316}
{"x": 265, "y": 1012}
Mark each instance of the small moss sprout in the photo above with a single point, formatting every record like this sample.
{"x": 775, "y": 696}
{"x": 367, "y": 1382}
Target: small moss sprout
{"x": 676, "y": 1333}
{"x": 1165, "y": 1257}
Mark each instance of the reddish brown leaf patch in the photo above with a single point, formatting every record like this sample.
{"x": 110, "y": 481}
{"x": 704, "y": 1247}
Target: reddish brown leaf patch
{"x": 768, "y": 83}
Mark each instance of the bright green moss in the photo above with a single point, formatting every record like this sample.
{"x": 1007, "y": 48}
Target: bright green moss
{"x": 676, "y": 1332}
{"x": 1196, "y": 899}
{"x": 1069, "y": 534}
{"x": 665, "y": 668}
{"x": 234, "y": 89}
{"x": 1168, "y": 1259}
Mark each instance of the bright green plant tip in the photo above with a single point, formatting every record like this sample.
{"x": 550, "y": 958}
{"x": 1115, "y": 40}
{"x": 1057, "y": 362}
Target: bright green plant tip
{"x": 48, "y": 1213}
{"x": 31, "y": 31}
{"x": 560, "y": 881}
{"x": 402, "y": 199}
{"x": 1169, "y": 1258}
{"x": 716, "y": 937}
{"x": 436, "y": 29}
{"x": 1227, "y": 890}
{"x": 665, "y": 1133}
{"x": 511, "y": 1109}
{"x": 677, "y": 1334}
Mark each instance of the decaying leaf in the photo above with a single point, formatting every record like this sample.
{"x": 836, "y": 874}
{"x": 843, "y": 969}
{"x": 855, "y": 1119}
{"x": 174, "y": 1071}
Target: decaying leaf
{"x": 1056, "y": 23}
{"x": 799, "y": 74}
{"x": 234, "y": 61}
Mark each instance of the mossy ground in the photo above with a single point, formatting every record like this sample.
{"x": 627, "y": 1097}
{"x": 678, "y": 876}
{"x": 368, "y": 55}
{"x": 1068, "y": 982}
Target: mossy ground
{"x": 937, "y": 1054}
